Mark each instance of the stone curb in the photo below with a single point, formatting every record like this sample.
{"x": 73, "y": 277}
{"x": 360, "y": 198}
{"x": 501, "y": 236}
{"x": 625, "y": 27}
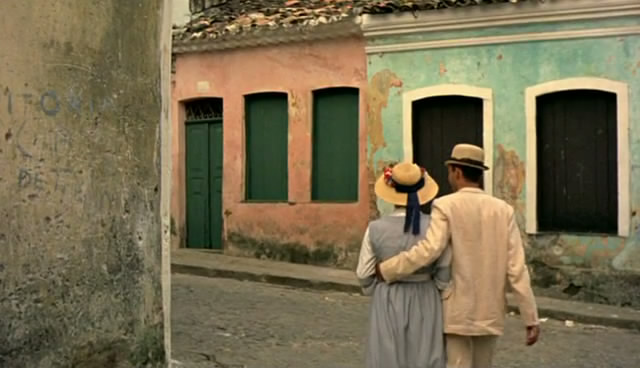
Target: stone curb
{"x": 557, "y": 313}
{"x": 265, "y": 278}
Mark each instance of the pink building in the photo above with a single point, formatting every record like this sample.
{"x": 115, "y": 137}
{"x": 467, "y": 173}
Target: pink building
{"x": 269, "y": 133}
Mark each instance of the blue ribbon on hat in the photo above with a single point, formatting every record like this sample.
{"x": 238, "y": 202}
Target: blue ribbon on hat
{"x": 412, "y": 216}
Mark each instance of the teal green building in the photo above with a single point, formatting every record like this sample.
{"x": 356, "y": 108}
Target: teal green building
{"x": 552, "y": 92}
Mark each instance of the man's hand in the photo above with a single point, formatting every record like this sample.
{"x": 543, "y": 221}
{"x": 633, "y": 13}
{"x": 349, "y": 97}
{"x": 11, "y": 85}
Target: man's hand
{"x": 378, "y": 273}
{"x": 533, "y": 332}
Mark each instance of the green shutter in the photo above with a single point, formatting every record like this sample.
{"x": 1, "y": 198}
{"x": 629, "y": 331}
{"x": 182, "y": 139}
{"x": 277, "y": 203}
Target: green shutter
{"x": 335, "y": 144}
{"x": 267, "y": 128}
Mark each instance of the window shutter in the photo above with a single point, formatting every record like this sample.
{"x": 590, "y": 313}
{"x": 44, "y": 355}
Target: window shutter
{"x": 335, "y": 144}
{"x": 577, "y": 162}
{"x": 267, "y": 127}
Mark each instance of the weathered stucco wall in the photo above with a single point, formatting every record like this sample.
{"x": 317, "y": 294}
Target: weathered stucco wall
{"x": 80, "y": 236}
{"x": 299, "y": 231}
{"x": 597, "y": 268}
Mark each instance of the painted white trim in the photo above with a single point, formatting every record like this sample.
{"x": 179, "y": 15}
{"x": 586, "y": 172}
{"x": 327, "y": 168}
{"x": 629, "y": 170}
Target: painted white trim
{"x": 486, "y": 94}
{"x": 530, "y": 12}
{"x": 622, "y": 93}
{"x": 505, "y": 39}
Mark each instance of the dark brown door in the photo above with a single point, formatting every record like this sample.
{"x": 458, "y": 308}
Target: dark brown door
{"x": 439, "y": 123}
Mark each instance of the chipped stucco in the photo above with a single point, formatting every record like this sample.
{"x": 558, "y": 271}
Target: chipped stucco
{"x": 509, "y": 170}
{"x": 508, "y": 69}
{"x": 380, "y": 86}
{"x": 80, "y": 235}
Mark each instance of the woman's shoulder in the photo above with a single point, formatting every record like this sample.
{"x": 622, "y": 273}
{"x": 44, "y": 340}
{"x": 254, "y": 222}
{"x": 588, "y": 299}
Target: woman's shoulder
{"x": 381, "y": 221}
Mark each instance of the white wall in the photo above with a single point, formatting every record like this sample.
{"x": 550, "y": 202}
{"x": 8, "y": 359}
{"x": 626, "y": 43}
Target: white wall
{"x": 180, "y": 12}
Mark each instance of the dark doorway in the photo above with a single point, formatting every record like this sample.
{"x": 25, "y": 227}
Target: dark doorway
{"x": 439, "y": 123}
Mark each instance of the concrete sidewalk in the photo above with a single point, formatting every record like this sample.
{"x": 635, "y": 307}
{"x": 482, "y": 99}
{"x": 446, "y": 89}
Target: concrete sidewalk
{"x": 203, "y": 263}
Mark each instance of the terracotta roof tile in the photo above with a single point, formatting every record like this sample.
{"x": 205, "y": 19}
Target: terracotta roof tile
{"x": 231, "y": 17}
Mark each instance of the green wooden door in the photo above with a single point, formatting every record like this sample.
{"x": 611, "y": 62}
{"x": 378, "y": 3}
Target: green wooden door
{"x": 204, "y": 184}
{"x": 197, "y": 147}
{"x": 215, "y": 184}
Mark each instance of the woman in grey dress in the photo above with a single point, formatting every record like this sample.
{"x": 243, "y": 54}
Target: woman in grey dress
{"x": 405, "y": 319}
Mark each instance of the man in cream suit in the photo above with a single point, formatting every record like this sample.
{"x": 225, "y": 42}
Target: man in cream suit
{"x": 488, "y": 256}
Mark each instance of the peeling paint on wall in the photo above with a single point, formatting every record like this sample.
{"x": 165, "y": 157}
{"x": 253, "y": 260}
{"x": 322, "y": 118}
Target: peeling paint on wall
{"x": 374, "y": 213}
{"x": 378, "y": 96}
{"x": 600, "y": 263}
{"x": 581, "y": 251}
{"x": 509, "y": 175}
{"x": 443, "y": 69}
{"x": 629, "y": 257}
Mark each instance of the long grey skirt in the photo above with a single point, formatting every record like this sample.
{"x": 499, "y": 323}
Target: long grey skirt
{"x": 406, "y": 327}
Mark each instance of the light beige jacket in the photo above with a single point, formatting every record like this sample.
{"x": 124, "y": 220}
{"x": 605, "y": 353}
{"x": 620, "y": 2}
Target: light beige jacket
{"x": 487, "y": 254}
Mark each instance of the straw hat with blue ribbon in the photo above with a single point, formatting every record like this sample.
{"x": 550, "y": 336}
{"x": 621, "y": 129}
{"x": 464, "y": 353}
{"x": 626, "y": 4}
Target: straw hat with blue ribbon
{"x": 407, "y": 184}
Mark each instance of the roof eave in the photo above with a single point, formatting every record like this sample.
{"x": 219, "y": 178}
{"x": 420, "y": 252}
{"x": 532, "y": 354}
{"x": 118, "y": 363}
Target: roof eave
{"x": 268, "y": 37}
{"x": 526, "y": 12}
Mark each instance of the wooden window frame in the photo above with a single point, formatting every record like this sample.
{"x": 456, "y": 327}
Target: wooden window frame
{"x": 621, "y": 90}
{"x": 442, "y": 90}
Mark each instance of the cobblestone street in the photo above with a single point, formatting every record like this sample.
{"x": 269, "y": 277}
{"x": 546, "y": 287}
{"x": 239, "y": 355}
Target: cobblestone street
{"x": 231, "y": 324}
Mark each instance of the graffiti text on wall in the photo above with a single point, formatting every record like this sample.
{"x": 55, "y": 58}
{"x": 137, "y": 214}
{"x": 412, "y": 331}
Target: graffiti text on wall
{"x": 40, "y": 129}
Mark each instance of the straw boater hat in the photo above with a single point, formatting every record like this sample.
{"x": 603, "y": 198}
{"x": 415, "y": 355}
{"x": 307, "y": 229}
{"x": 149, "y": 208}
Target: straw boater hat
{"x": 467, "y": 155}
{"x": 405, "y": 174}
{"x": 408, "y": 185}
